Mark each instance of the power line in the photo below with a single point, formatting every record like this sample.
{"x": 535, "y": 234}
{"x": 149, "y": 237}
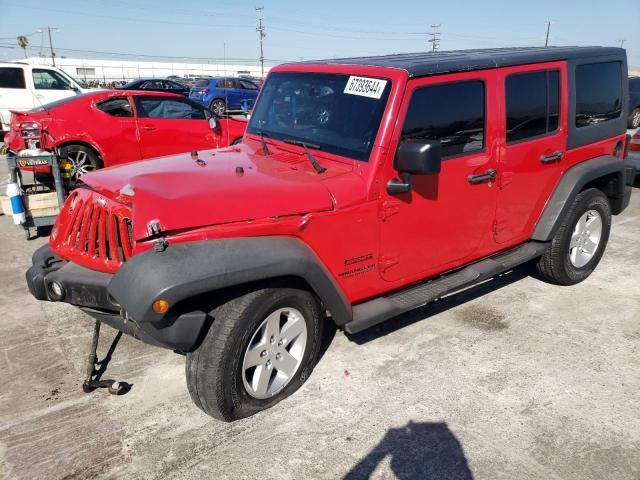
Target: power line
{"x": 621, "y": 42}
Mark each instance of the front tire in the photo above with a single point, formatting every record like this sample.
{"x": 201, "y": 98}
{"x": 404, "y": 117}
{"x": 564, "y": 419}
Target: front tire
{"x": 261, "y": 347}
{"x": 578, "y": 246}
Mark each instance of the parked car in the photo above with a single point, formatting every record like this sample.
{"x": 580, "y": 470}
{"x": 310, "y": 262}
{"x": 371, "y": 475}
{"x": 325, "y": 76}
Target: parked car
{"x": 364, "y": 188}
{"x": 225, "y": 93}
{"x": 109, "y": 127}
{"x": 634, "y": 102}
{"x": 24, "y": 86}
{"x": 156, "y": 85}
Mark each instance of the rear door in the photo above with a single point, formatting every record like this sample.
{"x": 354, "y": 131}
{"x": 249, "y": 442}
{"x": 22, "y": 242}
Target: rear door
{"x": 533, "y": 141}
{"x": 168, "y": 125}
{"x": 14, "y": 94}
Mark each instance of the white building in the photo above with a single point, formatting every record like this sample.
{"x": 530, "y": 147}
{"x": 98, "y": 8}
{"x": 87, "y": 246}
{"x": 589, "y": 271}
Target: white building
{"x": 111, "y": 70}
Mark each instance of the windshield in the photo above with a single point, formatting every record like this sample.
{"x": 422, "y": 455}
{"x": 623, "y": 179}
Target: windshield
{"x": 340, "y": 114}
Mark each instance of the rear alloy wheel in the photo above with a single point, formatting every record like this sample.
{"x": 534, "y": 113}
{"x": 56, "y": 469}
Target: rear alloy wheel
{"x": 219, "y": 107}
{"x": 634, "y": 118}
{"x": 578, "y": 246}
{"x": 82, "y": 160}
{"x": 261, "y": 347}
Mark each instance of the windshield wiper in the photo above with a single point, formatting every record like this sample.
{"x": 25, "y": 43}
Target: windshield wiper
{"x": 265, "y": 149}
{"x": 319, "y": 168}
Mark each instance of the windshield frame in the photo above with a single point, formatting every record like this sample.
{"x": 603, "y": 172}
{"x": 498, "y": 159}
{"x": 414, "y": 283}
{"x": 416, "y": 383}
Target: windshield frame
{"x": 335, "y": 151}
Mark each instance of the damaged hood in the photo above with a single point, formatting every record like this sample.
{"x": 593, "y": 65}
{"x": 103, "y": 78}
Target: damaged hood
{"x": 221, "y": 186}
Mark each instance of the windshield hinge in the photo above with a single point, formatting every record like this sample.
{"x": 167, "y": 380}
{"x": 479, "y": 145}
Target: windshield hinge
{"x": 387, "y": 209}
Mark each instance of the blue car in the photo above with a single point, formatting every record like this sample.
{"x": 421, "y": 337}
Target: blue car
{"x": 222, "y": 94}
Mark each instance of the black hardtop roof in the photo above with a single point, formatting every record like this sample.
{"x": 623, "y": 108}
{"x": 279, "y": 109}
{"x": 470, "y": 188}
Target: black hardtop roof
{"x": 430, "y": 63}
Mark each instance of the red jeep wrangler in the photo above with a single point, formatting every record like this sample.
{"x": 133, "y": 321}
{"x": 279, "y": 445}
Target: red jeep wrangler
{"x": 365, "y": 187}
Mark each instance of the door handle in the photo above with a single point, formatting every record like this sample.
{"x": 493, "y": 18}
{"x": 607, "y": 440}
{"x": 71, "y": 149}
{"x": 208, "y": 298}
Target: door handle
{"x": 148, "y": 128}
{"x": 490, "y": 175}
{"x": 554, "y": 157}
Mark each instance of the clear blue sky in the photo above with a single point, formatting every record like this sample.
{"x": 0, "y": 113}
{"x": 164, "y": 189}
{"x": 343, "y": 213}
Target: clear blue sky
{"x": 199, "y": 28}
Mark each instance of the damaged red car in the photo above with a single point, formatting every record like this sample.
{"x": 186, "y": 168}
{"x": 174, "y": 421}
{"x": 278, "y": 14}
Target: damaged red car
{"x": 105, "y": 128}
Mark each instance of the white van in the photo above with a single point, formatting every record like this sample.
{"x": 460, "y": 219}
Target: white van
{"x": 24, "y": 86}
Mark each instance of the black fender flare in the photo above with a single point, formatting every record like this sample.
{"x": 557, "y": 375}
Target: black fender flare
{"x": 185, "y": 270}
{"x": 572, "y": 183}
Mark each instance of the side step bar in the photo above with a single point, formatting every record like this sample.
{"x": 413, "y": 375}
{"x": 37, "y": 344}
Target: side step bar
{"x": 379, "y": 309}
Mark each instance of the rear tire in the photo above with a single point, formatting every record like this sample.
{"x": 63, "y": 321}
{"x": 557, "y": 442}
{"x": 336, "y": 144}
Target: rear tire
{"x": 83, "y": 160}
{"x": 218, "y": 106}
{"x": 237, "y": 141}
{"x": 577, "y": 247}
{"x": 242, "y": 345}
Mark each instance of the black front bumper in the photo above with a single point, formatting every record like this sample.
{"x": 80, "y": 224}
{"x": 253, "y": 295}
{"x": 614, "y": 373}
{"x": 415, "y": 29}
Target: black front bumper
{"x": 89, "y": 290}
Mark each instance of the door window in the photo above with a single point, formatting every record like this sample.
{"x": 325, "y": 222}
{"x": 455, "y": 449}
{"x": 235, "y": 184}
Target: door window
{"x": 598, "y": 93}
{"x": 11, "y": 77}
{"x": 453, "y": 113}
{"x": 533, "y": 101}
{"x": 116, "y": 107}
{"x": 171, "y": 108}
{"x": 247, "y": 85}
{"x": 49, "y": 80}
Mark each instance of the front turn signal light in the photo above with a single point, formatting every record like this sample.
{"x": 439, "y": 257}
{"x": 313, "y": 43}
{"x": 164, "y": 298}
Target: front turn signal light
{"x": 160, "y": 306}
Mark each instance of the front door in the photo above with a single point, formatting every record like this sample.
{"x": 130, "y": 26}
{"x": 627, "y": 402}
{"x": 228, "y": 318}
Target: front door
{"x": 169, "y": 125}
{"x": 50, "y": 86}
{"x": 533, "y": 129}
{"x": 446, "y": 219}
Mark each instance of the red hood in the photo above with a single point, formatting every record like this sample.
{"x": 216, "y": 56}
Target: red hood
{"x": 181, "y": 193}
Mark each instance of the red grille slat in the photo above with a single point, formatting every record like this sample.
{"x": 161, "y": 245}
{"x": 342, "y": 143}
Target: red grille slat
{"x": 113, "y": 238}
{"x": 79, "y": 213}
{"x": 124, "y": 237}
{"x": 82, "y": 241}
{"x": 94, "y": 233}
{"x": 102, "y": 235}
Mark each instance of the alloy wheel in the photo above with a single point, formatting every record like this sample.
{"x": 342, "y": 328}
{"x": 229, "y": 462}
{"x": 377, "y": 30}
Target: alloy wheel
{"x": 80, "y": 163}
{"x": 585, "y": 238}
{"x": 274, "y": 353}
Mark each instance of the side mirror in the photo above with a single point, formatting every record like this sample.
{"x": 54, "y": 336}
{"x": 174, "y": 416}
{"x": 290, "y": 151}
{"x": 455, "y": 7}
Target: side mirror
{"x": 213, "y": 123}
{"x": 421, "y": 157}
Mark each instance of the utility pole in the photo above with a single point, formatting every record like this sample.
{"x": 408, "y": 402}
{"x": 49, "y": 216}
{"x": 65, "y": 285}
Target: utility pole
{"x": 48, "y": 29}
{"x": 22, "y": 43}
{"x": 261, "y": 33}
{"x": 621, "y": 42}
{"x": 546, "y": 40}
{"x": 435, "y": 40}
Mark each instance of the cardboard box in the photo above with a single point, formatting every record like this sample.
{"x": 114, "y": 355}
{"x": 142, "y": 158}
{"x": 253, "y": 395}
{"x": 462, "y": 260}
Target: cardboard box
{"x": 36, "y": 205}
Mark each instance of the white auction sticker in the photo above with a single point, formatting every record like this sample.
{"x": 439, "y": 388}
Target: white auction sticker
{"x": 365, "y": 87}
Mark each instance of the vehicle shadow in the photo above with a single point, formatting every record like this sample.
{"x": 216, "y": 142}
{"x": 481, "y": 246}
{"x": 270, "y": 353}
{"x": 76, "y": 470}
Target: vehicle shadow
{"x": 417, "y": 451}
{"x": 442, "y": 305}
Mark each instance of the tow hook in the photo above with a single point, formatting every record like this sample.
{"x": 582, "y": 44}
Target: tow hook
{"x": 92, "y": 382}
{"x": 160, "y": 245}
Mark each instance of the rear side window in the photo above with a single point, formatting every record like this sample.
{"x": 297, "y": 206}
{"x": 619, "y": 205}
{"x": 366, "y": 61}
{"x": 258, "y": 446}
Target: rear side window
{"x": 116, "y": 107}
{"x": 202, "y": 83}
{"x": 11, "y": 77}
{"x": 453, "y": 113}
{"x": 598, "y": 93}
{"x": 156, "y": 107}
{"x": 533, "y": 101}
